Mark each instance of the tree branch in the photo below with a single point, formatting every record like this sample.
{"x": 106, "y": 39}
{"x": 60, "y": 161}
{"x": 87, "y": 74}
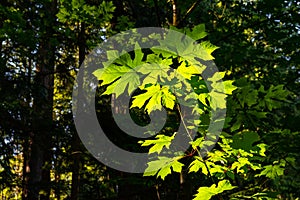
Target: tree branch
{"x": 188, "y": 12}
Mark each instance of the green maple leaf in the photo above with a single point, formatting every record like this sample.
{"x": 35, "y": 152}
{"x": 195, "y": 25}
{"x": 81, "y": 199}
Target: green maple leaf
{"x": 130, "y": 80}
{"x": 124, "y": 58}
{"x": 205, "y": 193}
{"x": 156, "y": 69}
{"x": 120, "y": 72}
{"x": 187, "y": 71}
{"x": 225, "y": 87}
{"x": 229, "y": 88}
{"x": 244, "y": 140}
{"x": 239, "y": 164}
{"x": 209, "y": 48}
{"x": 162, "y": 166}
{"x": 197, "y": 143}
{"x": 197, "y": 33}
{"x": 159, "y": 143}
{"x": 168, "y": 99}
{"x": 221, "y": 86}
{"x": 164, "y": 52}
{"x": 186, "y": 49}
{"x": 275, "y": 95}
{"x": 191, "y": 51}
{"x": 198, "y": 164}
{"x": 157, "y": 97}
{"x": 247, "y": 95}
{"x": 273, "y": 171}
{"x": 217, "y": 100}
{"x": 154, "y": 94}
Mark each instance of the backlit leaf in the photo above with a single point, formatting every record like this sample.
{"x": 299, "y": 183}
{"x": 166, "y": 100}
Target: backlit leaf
{"x": 159, "y": 143}
{"x": 206, "y": 193}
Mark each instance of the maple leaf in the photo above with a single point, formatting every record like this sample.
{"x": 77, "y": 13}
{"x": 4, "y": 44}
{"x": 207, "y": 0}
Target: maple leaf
{"x": 162, "y": 166}
{"x": 205, "y": 193}
{"x": 159, "y": 143}
{"x": 121, "y": 71}
{"x": 157, "y": 96}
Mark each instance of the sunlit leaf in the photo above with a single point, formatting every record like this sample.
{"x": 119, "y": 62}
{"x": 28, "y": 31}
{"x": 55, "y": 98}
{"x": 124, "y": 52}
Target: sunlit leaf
{"x": 159, "y": 143}
{"x": 206, "y": 193}
{"x": 162, "y": 166}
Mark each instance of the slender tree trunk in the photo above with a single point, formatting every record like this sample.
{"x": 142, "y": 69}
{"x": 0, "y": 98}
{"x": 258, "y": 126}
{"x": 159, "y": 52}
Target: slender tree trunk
{"x": 175, "y": 13}
{"x": 40, "y": 154}
{"x": 75, "y": 169}
{"x": 185, "y": 187}
{"x": 76, "y": 145}
{"x": 27, "y": 141}
{"x": 25, "y": 168}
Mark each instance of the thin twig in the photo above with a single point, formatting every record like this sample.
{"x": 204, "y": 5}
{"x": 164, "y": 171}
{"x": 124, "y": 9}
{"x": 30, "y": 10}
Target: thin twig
{"x": 188, "y": 12}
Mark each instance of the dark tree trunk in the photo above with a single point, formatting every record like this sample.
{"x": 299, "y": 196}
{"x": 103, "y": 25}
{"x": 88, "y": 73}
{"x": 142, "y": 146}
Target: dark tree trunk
{"x": 25, "y": 168}
{"x": 185, "y": 187}
{"x": 76, "y": 144}
{"x": 40, "y": 148}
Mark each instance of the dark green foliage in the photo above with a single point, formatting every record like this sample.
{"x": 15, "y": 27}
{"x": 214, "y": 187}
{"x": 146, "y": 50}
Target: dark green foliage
{"x": 257, "y": 156}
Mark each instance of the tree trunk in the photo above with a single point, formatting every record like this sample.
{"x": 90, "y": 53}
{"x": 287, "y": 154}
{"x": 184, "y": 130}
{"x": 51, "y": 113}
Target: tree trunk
{"x": 40, "y": 147}
{"x": 25, "y": 168}
{"x": 76, "y": 144}
{"x": 175, "y": 13}
{"x": 185, "y": 187}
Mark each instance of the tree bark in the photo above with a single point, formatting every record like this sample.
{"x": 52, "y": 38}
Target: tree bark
{"x": 76, "y": 144}
{"x": 175, "y": 13}
{"x": 40, "y": 148}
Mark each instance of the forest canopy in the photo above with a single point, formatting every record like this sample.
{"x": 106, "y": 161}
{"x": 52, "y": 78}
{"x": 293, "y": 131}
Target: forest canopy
{"x": 234, "y": 64}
